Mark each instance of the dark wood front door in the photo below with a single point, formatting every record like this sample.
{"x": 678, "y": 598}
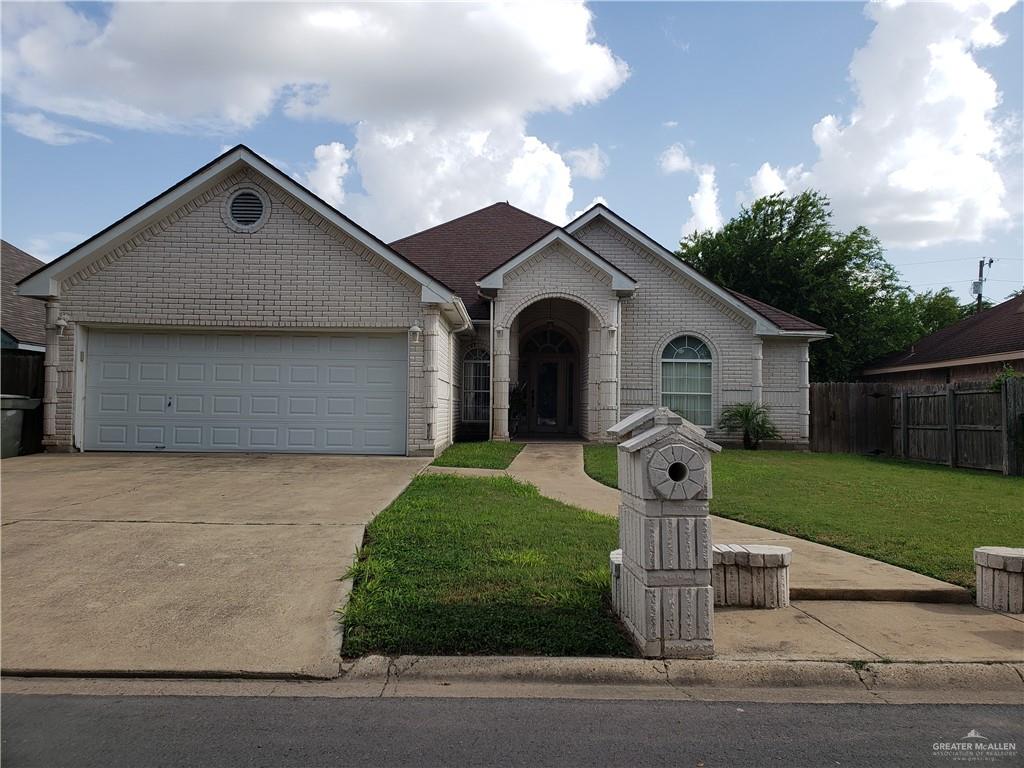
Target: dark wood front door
{"x": 552, "y": 393}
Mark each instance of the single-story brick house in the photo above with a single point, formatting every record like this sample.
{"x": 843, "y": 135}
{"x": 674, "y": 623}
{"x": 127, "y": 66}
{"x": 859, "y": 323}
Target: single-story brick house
{"x": 237, "y": 311}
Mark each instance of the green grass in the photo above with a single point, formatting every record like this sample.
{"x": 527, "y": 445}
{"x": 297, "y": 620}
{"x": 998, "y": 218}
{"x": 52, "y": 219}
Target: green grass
{"x": 922, "y": 517}
{"x": 483, "y": 455}
{"x": 460, "y": 565}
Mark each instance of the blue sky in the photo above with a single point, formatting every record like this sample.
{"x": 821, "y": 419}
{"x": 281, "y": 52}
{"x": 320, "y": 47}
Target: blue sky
{"x": 734, "y": 85}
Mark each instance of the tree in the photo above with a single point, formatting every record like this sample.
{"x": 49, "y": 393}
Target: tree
{"x": 937, "y": 309}
{"x": 786, "y": 252}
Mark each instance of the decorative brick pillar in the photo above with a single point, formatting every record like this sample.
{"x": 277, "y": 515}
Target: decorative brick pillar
{"x": 666, "y": 599}
{"x": 500, "y": 384}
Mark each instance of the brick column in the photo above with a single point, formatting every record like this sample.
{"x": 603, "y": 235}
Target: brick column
{"x": 431, "y": 338}
{"x": 499, "y": 383}
{"x": 51, "y": 361}
{"x": 609, "y": 382}
{"x": 757, "y": 371}
{"x": 805, "y": 392}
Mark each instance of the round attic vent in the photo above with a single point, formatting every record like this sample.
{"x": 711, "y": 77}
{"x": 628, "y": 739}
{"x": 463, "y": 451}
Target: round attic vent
{"x": 246, "y": 208}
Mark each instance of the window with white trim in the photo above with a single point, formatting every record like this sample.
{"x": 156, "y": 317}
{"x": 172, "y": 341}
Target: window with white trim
{"x": 476, "y": 386}
{"x": 686, "y": 379}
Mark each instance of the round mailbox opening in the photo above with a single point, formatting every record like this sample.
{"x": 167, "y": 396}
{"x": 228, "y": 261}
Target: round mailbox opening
{"x": 677, "y": 471}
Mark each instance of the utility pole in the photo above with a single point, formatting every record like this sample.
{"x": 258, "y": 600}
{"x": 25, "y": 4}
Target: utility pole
{"x": 980, "y": 285}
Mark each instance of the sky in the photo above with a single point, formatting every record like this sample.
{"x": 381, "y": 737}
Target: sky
{"x": 907, "y": 115}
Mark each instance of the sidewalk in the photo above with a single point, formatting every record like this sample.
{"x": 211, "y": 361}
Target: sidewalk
{"x": 818, "y": 572}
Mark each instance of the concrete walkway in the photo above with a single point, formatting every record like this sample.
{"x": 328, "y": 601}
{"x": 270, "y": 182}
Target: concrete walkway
{"x": 818, "y": 572}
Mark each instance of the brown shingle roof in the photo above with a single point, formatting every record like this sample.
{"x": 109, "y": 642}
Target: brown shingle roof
{"x": 784, "y": 320}
{"x": 461, "y": 251}
{"x": 989, "y": 332}
{"x": 465, "y": 249}
{"x": 23, "y": 318}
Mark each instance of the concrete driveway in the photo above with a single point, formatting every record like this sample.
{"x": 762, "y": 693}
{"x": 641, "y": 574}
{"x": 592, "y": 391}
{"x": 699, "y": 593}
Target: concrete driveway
{"x": 183, "y": 563}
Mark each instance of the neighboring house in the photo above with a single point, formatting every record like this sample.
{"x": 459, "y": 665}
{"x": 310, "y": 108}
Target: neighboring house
{"x": 974, "y": 349}
{"x": 24, "y": 319}
{"x": 238, "y": 311}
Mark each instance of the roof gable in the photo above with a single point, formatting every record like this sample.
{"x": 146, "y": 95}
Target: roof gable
{"x": 620, "y": 280}
{"x": 46, "y": 280}
{"x": 767, "y": 320}
{"x": 463, "y": 250}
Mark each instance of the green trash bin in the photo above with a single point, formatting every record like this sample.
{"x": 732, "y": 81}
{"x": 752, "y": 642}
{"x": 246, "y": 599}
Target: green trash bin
{"x": 12, "y": 420}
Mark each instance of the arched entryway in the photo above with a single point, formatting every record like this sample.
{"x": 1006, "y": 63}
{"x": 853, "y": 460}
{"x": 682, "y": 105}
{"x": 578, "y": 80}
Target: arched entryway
{"x": 549, "y": 375}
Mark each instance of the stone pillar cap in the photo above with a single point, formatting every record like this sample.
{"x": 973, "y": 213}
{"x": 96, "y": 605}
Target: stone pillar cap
{"x": 1002, "y": 558}
{"x": 767, "y": 555}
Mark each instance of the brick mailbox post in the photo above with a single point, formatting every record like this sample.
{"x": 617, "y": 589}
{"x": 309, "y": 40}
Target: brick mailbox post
{"x": 665, "y": 597}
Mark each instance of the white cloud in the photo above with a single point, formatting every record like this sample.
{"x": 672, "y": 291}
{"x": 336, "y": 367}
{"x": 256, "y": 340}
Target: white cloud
{"x": 670, "y": 124}
{"x": 587, "y": 162}
{"x": 704, "y": 208}
{"x": 919, "y": 158}
{"x": 327, "y": 177}
{"x": 440, "y": 93}
{"x": 675, "y": 160}
{"x": 48, "y": 247}
{"x": 38, "y": 126}
{"x": 598, "y": 200}
{"x": 766, "y": 181}
{"x": 704, "y": 203}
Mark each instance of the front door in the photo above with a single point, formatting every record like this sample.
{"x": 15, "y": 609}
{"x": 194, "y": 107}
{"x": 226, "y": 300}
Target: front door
{"x": 551, "y": 396}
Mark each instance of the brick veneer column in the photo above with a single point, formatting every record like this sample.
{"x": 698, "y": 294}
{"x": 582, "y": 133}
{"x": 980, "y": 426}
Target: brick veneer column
{"x": 500, "y": 382}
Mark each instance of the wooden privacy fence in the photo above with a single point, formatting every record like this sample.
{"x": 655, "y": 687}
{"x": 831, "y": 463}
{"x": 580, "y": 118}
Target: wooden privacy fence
{"x": 968, "y": 424}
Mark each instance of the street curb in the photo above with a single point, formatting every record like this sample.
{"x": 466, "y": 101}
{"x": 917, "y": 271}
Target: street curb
{"x": 874, "y": 677}
{"x": 956, "y": 595}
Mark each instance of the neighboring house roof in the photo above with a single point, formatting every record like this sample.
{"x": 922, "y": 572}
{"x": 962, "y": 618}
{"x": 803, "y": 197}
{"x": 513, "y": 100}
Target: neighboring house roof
{"x": 24, "y": 319}
{"x": 45, "y": 281}
{"x": 991, "y": 334}
{"x": 471, "y": 246}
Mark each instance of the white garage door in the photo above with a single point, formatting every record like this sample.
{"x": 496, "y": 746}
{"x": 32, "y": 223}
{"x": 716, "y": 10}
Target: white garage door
{"x": 338, "y": 393}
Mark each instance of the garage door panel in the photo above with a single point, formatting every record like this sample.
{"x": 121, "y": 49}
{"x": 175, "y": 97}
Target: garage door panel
{"x": 220, "y": 392}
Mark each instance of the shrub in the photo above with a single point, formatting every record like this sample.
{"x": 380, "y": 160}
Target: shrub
{"x": 753, "y": 419}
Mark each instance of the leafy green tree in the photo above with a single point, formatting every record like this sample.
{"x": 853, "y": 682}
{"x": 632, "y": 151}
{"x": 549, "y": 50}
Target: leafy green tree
{"x": 937, "y": 309}
{"x": 785, "y": 251}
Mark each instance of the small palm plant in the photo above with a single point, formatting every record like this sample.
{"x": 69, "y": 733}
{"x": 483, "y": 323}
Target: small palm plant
{"x": 753, "y": 419}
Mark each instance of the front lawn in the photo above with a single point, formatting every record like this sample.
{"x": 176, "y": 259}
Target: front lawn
{"x": 483, "y": 565}
{"x": 483, "y": 455}
{"x": 922, "y": 517}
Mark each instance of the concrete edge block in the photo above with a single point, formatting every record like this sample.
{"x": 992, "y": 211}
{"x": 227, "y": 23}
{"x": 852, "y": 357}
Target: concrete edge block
{"x": 529, "y": 669}
{"x": 763, "y": 674}
{"x": 943, "y": 677}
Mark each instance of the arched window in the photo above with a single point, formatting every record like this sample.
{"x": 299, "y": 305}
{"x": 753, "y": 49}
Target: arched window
{"x": 476, "y": 386}
{"x": 686, "y": 379}
{"x": 547, "y": 341}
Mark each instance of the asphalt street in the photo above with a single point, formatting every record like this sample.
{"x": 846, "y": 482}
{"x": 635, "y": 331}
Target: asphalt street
{"x": 138, "y": 731}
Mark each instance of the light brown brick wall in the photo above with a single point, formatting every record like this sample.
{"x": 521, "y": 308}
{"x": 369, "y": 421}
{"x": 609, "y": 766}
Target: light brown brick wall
{"x": 296, "y": 272}
{"x": 667, "y": 304}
